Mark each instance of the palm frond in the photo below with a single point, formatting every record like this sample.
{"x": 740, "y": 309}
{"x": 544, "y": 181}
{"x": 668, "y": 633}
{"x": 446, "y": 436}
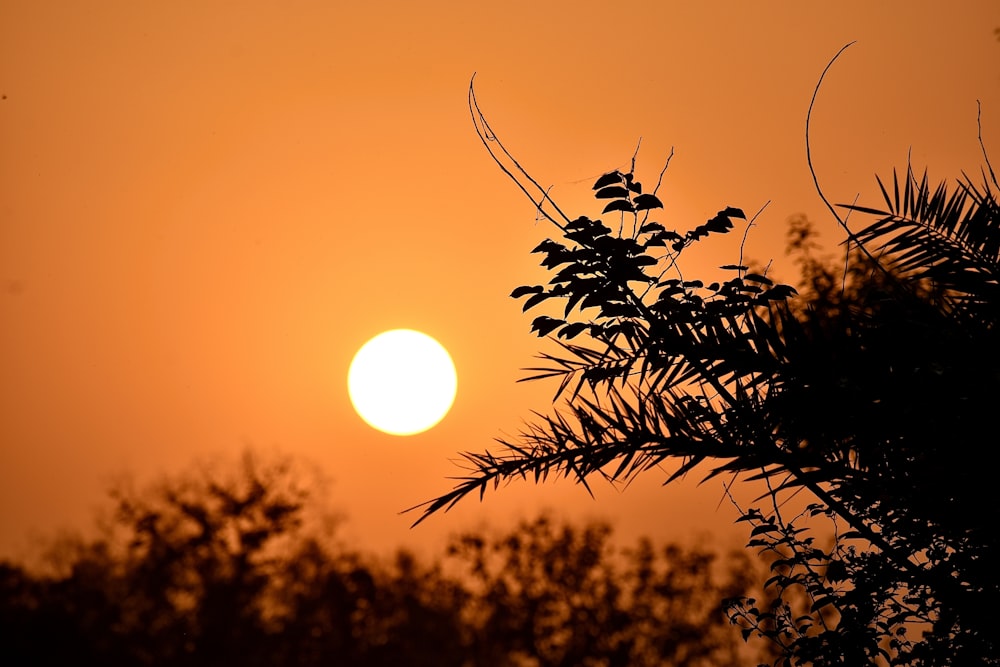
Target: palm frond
{"x": 944, "y": 244}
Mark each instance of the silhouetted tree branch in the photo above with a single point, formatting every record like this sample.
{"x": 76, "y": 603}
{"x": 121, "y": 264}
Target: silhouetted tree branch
{"x": 872, "y": 392}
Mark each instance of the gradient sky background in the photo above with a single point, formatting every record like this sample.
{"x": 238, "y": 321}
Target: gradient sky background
{"x": 207, "y": 207}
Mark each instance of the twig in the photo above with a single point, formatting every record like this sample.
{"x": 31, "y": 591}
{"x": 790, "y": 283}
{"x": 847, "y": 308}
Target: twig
{"x": 666, "y": 164}
{"x": 750, "y": 224}
{"x": 487, "y": 136}
{"x": 982, "y": 146}
{"x": 635, "y": 154}
{"x": 812, "y": 170}
{"x": 847, "y": 253}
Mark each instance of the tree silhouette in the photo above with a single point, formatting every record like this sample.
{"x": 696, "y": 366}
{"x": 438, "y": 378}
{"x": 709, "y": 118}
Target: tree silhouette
{"x": 561, "y": 595}
{"x": 209, "y": 569}
{"x": 872, "y": 393}
{"x": 213, "y": 567}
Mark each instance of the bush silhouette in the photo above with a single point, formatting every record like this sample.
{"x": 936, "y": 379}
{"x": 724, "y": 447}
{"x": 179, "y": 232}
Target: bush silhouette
{"x": 233, "y": 567}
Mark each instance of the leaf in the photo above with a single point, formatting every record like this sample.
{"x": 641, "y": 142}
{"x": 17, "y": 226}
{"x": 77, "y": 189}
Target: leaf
{"x": 573, "y": 299}
{"x": 757, "y": 278}
{"x": 572, "y": 330}
{"x": 544, "y": 325}
{"x": 613, "y": 192}
{"x": 660, "y": 239}
{"x": 618, "y": 309}
{"x": 836, "y": 571}
{"x": 618, "y": 205}
{"x": 733, "y": 267}
{"x": 778, "y": 293}
{"x": 733, "y": 213}
{"x": 610, "y": 178}
{"x": 822, "y": 602}
{"x": 526, "y": 289}
{"x": 549, "y": 246}
{"x": 558, "y": 257}
{"x": 594, "y": 300}
{"x": 720, "y": 223}
{"x": 651, "y": 227}
{"x": 569, "y": 273}
{"x": 534, "y": 301}
{"x": 646, "y": 202}
{"x": 582, "y": 236}
{"x": 864, "y": 209}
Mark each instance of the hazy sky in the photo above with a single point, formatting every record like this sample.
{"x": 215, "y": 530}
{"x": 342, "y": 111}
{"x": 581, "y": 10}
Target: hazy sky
{"x": 207, "y": 207}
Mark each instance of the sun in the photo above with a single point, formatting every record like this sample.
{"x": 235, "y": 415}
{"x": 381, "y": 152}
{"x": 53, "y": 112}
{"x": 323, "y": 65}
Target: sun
{"x": 402, "y": 382}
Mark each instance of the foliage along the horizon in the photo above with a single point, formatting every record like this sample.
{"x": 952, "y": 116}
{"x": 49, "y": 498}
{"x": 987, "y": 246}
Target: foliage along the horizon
{"x": 216, "y": 569}
{"x": 874, "y": 398}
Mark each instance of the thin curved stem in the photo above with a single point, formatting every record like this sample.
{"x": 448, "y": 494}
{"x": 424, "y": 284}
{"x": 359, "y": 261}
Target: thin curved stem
{"x": 487, "y": 136}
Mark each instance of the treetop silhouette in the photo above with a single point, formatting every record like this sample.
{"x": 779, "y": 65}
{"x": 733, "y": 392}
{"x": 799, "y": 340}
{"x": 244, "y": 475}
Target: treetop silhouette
{"x": 209, "y": 568}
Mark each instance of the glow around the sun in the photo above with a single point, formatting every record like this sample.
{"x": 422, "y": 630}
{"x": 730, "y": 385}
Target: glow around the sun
{"x": 402, "y": 382}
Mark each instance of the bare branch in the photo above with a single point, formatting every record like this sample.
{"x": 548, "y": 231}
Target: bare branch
{"x": 487, "y": 136}
{"x": 982, "y": 146}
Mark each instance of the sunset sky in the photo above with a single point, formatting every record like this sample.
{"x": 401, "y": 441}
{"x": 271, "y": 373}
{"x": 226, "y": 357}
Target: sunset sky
{"x": 207, "y": 207}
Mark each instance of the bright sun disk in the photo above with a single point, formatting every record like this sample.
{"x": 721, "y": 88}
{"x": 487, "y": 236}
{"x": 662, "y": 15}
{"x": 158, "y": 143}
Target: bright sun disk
{"x": 402, "y": 382}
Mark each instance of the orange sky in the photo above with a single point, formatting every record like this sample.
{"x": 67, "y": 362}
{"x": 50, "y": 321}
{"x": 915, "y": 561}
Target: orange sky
{"x": 207, "y": 207}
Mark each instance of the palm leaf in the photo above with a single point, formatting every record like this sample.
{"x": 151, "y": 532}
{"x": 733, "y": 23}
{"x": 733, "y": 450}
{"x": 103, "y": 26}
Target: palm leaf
{"x": 943, "y": 245}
